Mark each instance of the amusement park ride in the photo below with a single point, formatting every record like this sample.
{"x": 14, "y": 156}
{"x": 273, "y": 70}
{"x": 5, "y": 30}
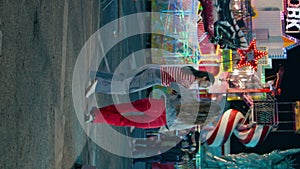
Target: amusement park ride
{"x": 232, "y": 44}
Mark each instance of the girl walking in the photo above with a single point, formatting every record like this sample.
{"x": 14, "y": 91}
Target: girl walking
{"x": 154, "y": 113}
{"x": 148, "y": 76}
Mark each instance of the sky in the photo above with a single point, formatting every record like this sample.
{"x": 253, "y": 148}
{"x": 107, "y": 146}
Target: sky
{"x": 290, "y": 82}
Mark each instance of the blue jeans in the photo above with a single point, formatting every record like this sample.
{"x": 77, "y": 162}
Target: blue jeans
{"x": 141, "y": 79}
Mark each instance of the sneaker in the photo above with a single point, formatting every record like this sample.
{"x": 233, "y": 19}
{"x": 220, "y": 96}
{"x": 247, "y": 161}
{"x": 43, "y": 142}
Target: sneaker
{"x": 91, "y": 89}
{"x": 132, "y": 129}
{"x": 89, "y": 117}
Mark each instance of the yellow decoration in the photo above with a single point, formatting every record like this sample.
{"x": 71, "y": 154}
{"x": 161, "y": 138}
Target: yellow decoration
{"x": 297, "y": 116}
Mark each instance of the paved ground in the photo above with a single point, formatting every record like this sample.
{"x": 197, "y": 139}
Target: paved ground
{"x": 39, "y": 47}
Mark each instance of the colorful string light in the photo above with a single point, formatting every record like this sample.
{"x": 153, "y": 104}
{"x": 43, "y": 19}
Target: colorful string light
{"x": 250, "y": 56}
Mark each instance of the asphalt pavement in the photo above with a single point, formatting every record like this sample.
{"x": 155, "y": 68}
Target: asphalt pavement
{"x": 39, "y": 46}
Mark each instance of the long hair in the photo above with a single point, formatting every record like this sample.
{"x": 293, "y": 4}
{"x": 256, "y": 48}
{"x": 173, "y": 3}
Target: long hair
{"x": 186, "y": 111}
{"x": 198, "y": 73}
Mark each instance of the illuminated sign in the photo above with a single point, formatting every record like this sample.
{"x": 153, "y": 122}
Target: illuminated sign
{"x": 227, "y": 60}
{"x": 292, "y": 16}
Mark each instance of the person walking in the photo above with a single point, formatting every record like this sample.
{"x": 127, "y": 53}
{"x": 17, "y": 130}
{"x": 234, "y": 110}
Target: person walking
{"x": 169, "y": 149}
{"x": 172, "y": 113}
{"x": 148, "y": 76}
